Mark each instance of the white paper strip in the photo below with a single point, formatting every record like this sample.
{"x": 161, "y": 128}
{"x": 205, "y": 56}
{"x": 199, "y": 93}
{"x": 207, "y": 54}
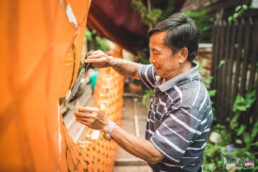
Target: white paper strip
{"x": 70, "y": 15}
{"x": 95, "y": 134}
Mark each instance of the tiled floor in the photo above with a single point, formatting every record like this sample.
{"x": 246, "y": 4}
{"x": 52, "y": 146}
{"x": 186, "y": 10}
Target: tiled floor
{"x": 132, "y": 169}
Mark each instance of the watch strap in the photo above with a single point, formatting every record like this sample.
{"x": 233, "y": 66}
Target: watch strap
{"x": 108, "y": 133}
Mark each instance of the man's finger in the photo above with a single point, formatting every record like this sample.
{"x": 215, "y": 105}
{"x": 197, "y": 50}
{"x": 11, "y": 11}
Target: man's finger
{"x": 87, "y": 109}
{"x": 82, "y": 122}
{"x": 83, "y": 119}
{"x": 93, "y": 60}
{"x": 94, "y": 56}
{"x": 83, "y": 115}
{"x": 96, "y": 52}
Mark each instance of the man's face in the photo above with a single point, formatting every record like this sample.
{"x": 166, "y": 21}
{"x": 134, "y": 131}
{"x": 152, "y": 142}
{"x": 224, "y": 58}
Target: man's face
{"x": 165, "y": 62}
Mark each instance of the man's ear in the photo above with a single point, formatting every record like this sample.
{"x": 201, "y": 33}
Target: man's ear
{"x": 183, "y": 54}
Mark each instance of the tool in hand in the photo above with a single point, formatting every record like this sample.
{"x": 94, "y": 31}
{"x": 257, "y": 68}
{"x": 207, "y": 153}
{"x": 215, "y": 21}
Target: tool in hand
{"x": 84, "y": 69}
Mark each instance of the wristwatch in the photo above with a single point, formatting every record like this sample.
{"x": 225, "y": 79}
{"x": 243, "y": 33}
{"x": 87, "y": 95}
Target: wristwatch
{"x": 108, "y": 134}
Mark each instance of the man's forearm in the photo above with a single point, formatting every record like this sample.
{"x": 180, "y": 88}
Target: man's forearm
{"x": 137, "y": 146}
{"x": 125, "y": 67}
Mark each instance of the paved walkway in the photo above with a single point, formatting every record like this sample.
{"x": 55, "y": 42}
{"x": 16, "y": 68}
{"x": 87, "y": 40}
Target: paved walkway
{"x": 134, "y": 121}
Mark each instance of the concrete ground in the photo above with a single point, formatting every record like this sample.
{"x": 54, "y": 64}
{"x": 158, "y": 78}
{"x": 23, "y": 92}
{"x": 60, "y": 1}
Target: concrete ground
{"x": 134, "y": 121}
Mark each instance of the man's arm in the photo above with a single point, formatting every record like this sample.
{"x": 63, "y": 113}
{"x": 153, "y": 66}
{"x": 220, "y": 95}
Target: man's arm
{"x": 125, "y": 67}
{"x": 99, "y": 59}
{"x": 95, "y": 119}
{"x": 139, "y": 147}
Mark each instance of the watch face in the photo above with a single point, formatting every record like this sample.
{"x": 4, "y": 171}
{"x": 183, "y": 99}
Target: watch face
{"x": 107, "y": 136}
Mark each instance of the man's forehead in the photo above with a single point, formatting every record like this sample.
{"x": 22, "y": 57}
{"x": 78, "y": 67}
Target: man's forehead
{"x": 159, "y": 35}
{"x": 156, "y": 49}
{"x": 157, "y": 39}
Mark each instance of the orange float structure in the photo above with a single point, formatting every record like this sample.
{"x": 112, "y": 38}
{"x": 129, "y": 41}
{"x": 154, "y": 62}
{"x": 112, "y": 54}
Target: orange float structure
{"x": 40, "y": 50}
{"x": 108, "y": 96}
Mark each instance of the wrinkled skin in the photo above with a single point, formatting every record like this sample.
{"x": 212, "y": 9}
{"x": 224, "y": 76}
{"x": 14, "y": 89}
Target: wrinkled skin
{"x": 93, "y": 118}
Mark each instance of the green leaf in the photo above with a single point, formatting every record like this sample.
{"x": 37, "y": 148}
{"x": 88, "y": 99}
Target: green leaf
{"x": 241, "y": 130}
{"x": 251, "y": 94}
{"x": 233, "y": 122}
{"x": 235, "y": 15}
{"x": 233, "y": 125}
{"x": 242, "y": 53}
{"x": 212, "y": 93}
{"x": 239, "y": 104}
{"x": 255, "y": 144}
{"x": 254, "y": 131}
{"x": 147, "y": 96}
{"x": 244, "y": 7}
{"x": 205, "y": 28}
{"x": 201, "y": 70}
{"x": 246, "y": 138}
{"x": 238, "y": 8}
{"x": 222, "y": 62}
{"x": 238, "y": 141}
{"x": 88, "y": 35}
{"x": 241, "y": 108}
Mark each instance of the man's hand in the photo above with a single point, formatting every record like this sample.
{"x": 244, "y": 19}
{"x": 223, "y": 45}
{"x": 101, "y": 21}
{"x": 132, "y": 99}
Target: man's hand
{"x": 95, "y": 119}
{"x": 92, "y": 118}
{"x": 98, "y": 59}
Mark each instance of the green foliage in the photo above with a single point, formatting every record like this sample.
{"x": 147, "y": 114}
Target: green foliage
{"x": 243, "y": 103}
{"x": 237, "y": 134}
{"x": 203, "y": 22}
{"x": 200, "y": 19}
{"x": 101, "y": 44}
{"x": 239, "y": 11}
{"x": 213, "y": 161}
{"x": 149, "y": 17}
{"x": 88, "y": 35}
{"x": 221, "y": 63}
{"x": 212, "y": 93}
{"x": 142, "y": 58}
{"x": 222, "y": 130}
{"x": 206, "y": 80}
{"x": 244, "y": 138}
{"x": 147, "y": 96}
{"x": 169, "y": 10}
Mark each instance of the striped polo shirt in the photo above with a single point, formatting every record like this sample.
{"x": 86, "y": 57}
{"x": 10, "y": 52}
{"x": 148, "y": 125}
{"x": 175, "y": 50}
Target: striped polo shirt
{"x": 179, "y": 119}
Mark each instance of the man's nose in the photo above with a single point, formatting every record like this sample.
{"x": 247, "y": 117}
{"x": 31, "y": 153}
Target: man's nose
{"x": 151, "y": 60}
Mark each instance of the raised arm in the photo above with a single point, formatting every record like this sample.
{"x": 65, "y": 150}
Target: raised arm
{"x": 99, "y": 59}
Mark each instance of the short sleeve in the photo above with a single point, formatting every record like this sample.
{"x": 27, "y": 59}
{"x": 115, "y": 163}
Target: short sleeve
{"x": 176, "y": 131}
{"x": 147, "y": 75}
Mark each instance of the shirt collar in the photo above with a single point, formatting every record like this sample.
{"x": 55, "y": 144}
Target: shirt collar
{"x": 188, "y": 75}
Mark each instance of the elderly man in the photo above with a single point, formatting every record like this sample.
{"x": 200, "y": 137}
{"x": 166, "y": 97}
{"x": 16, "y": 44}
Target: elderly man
{"x": 180, "y": 113}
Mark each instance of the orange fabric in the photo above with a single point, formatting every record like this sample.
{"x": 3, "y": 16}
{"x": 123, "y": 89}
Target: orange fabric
{"x": 35, "y": 70}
